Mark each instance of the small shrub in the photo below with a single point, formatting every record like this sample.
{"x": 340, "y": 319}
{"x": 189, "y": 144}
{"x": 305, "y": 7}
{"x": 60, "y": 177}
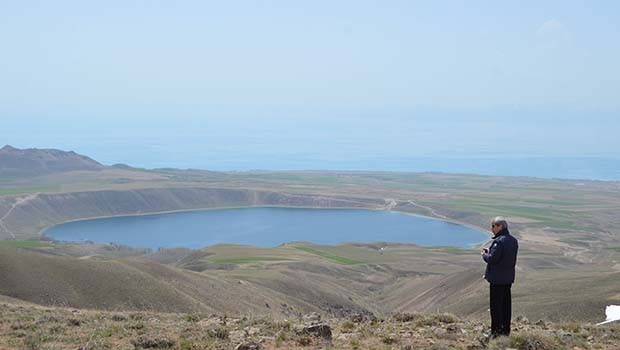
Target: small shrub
{"x": 532, "y": 341}
{"x": 573, "y": 327}
{"x": 440, "y": 347}
{"x": 74, "y": 322}
{"x": 23, "y": 326}
{"x": 389, "y": 340}
{"x": 19, "y": 333}
{"x": 282, "y": 326}
{"x": 524, "y": 341}
{"x": 218, "y": 333}
{"x": 148, "y": 342}
{"x": 347, "y": 326}
{"x": 192, "y": 318}
{"x": 47, "y": 319}
{"x": 96, "y": 345}
{"x": 446, "y": 318}
{"x": 304, "y": 340}
{"x": 108, "y": 332}
{"x": 57, "y": 329}
{"x": 136, "y": 316}
{"x": 500, "y": 343}
{"x": 281, "y": 336}
{"x": 136, "y": 325}
{"x": 279, "y": 339}
{"x": 406, "y": 317}
{"x": 33, "y": 341}
{"x": 436, "y": 320}
{"x": 185, "y": 344}
{"x": 119, "y": 318}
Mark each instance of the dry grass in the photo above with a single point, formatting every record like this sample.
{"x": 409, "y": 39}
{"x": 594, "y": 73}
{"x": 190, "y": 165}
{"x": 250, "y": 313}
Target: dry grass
{"x": 33, "y": 327}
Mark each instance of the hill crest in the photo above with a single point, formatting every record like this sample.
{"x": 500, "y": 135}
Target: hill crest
{"x": 29, "y": 162}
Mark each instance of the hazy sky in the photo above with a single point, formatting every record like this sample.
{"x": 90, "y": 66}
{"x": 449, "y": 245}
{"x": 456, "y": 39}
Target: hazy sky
{"x": 406, "y": 77}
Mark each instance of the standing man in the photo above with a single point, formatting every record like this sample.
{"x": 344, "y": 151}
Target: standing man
{"x": 501, "y": 259}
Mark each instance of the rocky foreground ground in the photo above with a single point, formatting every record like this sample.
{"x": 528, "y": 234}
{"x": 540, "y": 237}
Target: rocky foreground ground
{"x": 32, "y": 327}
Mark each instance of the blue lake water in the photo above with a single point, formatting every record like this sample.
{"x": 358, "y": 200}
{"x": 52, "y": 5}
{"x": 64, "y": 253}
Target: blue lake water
{"x": 266, "y": 227}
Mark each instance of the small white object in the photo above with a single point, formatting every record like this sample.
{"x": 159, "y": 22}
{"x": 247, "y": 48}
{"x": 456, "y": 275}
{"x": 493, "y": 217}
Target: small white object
{"x": 613, "y": 314}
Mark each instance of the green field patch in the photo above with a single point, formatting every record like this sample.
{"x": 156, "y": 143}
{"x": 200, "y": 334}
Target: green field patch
{"x": 615, "y": 249}
{"x": 332, "y": 257}
{"x": 557, "y": 202}
{"x": 454, "y": 250}
{"x": 296, "y": 177}
{"x": 26, "y": 189}
{"x": 551, "y": 217}
{"x": 25, "y": 244}
{"x": 541, "y": 214}
{"x": 246, "y": 260}
{"x": 536, "y": 189}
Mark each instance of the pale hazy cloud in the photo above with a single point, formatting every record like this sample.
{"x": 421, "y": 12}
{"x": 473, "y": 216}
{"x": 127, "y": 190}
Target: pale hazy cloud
{"x": 553, "y": 33}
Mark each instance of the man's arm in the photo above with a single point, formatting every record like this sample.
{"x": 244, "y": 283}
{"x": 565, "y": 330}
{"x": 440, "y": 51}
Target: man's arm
{"x": 494, "y": 254}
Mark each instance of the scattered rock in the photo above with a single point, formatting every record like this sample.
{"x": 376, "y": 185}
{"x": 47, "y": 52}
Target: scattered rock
{"x": 211, "y": 321}
{"x": 319, "y": 330}
{"x": 252, "y": 330}
{"x": 439, "y": 331}
{"x": 452, "y": 328}
{"x": 405, "y": 334}
{"x": 566, "y": 335}
{"x": 237, "y": 336}
{"x": 343, "y": 336}
{"x": 265, "y": 338}
{"x": 522, "y": 319}
{"x": 248, "y": 346}
{"x": 312, "y": 318}
{"x": 484, "y": 339}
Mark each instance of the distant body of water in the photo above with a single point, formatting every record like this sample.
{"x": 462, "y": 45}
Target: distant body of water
{"x": 544, "y": 144}
{"x": 266, "y": 227}
{"x": 582, "y": 168}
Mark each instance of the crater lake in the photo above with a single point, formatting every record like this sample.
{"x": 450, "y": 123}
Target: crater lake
{"x": 266, "y": 227}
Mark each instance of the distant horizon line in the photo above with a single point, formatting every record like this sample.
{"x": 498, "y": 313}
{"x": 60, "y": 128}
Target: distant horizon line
{"x": 442, "y": 155}
{"x": 353, "y": 168}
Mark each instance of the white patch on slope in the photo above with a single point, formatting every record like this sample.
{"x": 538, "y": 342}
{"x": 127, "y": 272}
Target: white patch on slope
{"x": 613, "y": 314}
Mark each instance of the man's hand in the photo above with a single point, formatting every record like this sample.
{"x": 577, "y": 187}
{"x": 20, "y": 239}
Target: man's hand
{"x": 484, "y": 251}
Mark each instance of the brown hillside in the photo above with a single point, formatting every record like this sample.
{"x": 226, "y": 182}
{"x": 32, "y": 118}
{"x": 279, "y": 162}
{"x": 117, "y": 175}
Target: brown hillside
{"x": 29, "y": 162}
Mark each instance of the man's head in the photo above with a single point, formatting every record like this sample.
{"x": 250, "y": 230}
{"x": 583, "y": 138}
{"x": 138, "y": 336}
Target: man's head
{"x": 498, "y": 224}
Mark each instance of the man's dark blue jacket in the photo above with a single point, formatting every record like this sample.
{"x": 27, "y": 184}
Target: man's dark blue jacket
{"x": 501, "y": 259}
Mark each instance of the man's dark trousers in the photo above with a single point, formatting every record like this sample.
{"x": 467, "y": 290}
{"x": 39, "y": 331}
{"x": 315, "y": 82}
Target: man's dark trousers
{"x": 501, "y": 309}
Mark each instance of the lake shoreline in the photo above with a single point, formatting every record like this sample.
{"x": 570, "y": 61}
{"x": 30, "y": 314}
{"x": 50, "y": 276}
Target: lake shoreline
{"x": 43, "y": 233}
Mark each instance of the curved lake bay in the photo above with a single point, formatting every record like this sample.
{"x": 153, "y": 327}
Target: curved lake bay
{"x": 266, "y": 227}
